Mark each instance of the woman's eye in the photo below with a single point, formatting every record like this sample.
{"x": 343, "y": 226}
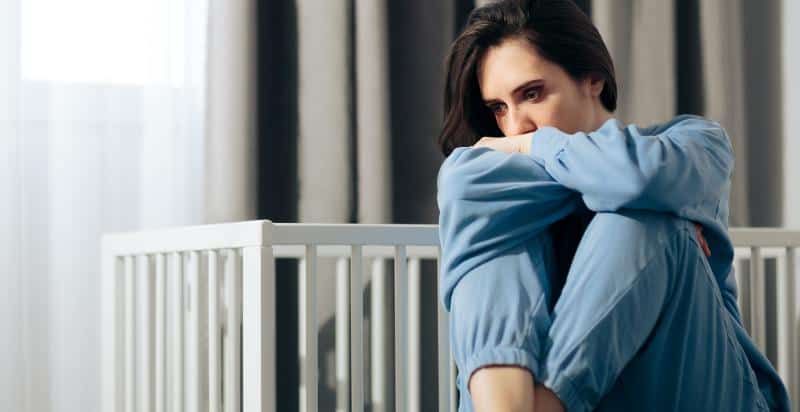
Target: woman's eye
{"x": 496, "y": 109}
{"x": 532, "y": 94}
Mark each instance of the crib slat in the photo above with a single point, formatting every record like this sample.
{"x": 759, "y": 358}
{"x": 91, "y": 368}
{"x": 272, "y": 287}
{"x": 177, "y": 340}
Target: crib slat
{"x": 788, "y": 341}
{"x": 145, "y": 402}
{"x": 214, "y": 361}
{"x": 176, "y": 332}
{"x": 744, "y": 297}
{"x": 193, "y": 337}
{"x": 160, "y": 335}
{"x": 301, "y": 331}
{"x": 379, "y": 361}
{"x": 356, "y": 329}
{"x": 740, "y": 287}
{"x": 413, "y": 340}
{"x": 442, "y": 345}
{"x": 258, "y": 339}
{"x": 400, "y": 327}
{"x": 233, "y": 332}
{"x": 757, "y": 289}
{"x": 130, "y": 337}
{"x": 309, "y": 355}
{"x": 342, "y": 319}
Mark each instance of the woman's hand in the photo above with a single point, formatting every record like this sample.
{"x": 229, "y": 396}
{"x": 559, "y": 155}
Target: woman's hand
{"x": 700, "y": 238}
{"x": 509, "y": 144}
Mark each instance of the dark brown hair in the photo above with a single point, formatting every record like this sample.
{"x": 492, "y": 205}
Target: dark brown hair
{"x": 557, "y": 29}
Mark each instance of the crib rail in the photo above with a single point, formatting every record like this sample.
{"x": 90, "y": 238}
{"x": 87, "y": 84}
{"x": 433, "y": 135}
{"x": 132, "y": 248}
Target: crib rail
{"x": 174, "y": 301}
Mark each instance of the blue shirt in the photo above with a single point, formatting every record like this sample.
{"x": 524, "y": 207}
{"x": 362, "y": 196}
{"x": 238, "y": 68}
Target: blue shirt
{"x": 494, "y": 201}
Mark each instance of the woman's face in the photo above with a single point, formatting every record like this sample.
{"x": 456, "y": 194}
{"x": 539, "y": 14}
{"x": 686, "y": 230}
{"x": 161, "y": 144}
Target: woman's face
{"x": 526, "y": 91}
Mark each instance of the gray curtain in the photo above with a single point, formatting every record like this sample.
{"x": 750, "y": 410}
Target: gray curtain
{"x": 638, "y": 34}
{"x": 230, "y": 116}
{"x": 723, "y": 76}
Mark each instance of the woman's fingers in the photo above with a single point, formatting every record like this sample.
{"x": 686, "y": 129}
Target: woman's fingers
{"x": 501, "y": 144}
{"x": 700, "y": 238}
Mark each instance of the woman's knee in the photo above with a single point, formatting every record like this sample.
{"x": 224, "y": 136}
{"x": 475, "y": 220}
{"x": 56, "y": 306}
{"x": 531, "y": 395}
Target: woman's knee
{"x": 633, "y": 226}
{"x": 626, "y": 239}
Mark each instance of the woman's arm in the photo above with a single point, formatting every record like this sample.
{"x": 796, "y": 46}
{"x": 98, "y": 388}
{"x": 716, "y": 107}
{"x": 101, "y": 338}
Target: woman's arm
{"x": 683, "y": 169}
{"x": 489, "y": 202}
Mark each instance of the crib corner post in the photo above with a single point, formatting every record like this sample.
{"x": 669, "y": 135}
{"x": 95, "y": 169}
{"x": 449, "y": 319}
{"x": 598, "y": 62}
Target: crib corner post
{"x": 111, "y": 331}
{"x": 258, "y": 320}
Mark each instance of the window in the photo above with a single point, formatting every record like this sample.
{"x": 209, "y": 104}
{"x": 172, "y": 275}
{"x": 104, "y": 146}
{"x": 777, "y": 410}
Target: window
{"x": 120, "y": 42}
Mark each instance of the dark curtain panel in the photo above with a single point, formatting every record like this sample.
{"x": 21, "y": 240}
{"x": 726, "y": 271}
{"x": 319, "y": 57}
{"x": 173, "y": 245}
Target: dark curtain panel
{"x": 277, "y": 126}
{"x": 351, "y": 38}
{"x": 585, "y": 5}
{"x": 460, "y": 14}
{"x": 416, "y": 60}
{"x": 763, "y": 95}
{"x": 689, "y": 69}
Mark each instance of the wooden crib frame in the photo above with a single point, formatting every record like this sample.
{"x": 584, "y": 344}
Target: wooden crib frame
{"x": 159, "y": 356}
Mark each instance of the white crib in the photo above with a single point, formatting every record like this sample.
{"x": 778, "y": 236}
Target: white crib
{"x": 170, "y": 297}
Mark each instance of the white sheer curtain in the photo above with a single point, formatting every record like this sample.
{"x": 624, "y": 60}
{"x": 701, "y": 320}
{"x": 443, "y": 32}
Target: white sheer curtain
{"x": 102, "y": 128}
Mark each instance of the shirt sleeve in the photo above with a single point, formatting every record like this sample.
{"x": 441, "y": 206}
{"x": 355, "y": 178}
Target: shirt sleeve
{"x": 683, "y": 169}
{"x": 489, "y": 202}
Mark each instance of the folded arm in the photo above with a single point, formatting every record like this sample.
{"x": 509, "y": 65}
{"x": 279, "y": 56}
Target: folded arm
{"x": 683, "y": 169}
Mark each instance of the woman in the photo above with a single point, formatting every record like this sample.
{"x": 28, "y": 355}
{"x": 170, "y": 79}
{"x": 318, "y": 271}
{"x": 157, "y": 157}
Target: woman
{"x": 647, "y": 317}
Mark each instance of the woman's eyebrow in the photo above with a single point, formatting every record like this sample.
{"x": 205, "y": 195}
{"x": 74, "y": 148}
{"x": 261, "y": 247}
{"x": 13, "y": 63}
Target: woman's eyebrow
{"x": 516, "y": 89}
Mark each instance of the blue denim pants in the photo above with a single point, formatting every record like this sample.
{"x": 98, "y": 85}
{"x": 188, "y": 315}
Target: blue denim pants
{"x": 640, "y": 323}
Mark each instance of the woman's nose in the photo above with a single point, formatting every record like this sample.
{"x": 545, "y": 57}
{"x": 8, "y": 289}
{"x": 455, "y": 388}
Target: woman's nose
{"x": 520, "y": 123}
